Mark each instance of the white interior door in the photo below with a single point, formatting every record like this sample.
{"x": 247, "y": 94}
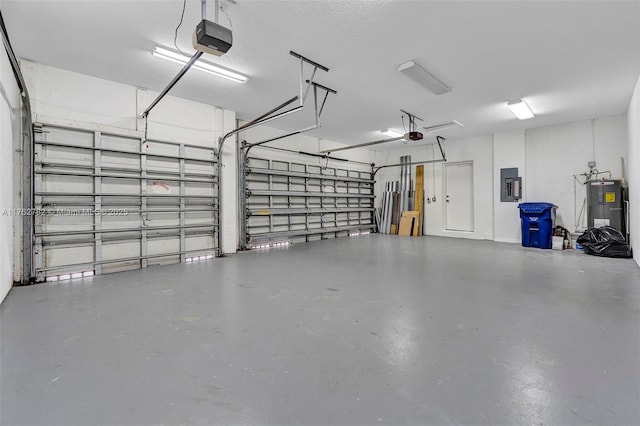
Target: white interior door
{"x": 459, "y": 196}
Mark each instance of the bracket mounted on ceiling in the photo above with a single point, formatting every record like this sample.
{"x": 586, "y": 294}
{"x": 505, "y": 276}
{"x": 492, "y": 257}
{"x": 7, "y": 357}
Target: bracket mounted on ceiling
{"x": 274, "y": 114}
{"x": 412, "y": 120}
{"x": 439, "y": 139}
{"x": 412, "y": 134}
{"x": 187, "y": 66}
{"x": 318, "y": 114}
{"x": 301, "y": 97}
{"x": 412, "y": 129}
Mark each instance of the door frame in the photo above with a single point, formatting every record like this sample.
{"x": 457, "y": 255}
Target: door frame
{"x": 444, "y": 193}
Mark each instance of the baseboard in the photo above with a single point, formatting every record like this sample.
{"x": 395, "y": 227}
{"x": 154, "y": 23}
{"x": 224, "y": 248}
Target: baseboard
{"x": 507, "y": 240}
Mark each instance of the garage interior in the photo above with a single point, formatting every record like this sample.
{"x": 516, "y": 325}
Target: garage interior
{"x": 309, "y": 212}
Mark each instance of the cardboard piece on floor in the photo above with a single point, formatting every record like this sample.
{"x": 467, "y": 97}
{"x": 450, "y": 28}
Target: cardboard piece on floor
{"x": 393, "y": 229}
{"x": 406, "y": 225}
{"x": 410, "y": 222}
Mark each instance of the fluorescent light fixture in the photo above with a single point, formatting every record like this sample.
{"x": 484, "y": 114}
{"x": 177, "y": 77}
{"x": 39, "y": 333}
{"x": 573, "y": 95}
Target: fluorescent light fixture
{"x": 391, "y": 133}
{"x": 179, "y": 58}
{"x": 520, "y": 109}
{"x": 423, "y": 77}
{"x": 441, "y": 127}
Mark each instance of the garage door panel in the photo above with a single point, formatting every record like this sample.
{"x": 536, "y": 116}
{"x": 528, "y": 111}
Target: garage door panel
{"x": 154, "y": 220}
{"x": 192, "y": 218}
{"x": 68, "y": 184}
{"x": 59, "y": 221}
{"x": 137, "y": 202}
{"x": 161, "y": 149}
{"x": 115, "y": 142}
{"x": 199, "y": 189}
{"x": 56, "y": 256}
{"x": 120, "y": 186}
{"x": 111, "y": 159}
{"x": 67, "y": 154}
{"x": 297, "y": 186}
{"x": 120, "y": 249}
{"x": 70, "y": 136}
{"x": 163, "y": 261}
{"x": 198, "y": 243}
{"x": 111, "y": 268}
{"x": 297, "y": 201}
{"x": 279, "y": 185}
{"x": 260, "y": 185}
{"x": 198, "y": 167}
{"x": 163, "y": 245}
{"x": 161, "y": 164}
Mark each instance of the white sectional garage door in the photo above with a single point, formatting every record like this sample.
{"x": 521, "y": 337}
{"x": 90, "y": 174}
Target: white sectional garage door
{"x": 289, "y": 199}
{"x": 109, "y": 202}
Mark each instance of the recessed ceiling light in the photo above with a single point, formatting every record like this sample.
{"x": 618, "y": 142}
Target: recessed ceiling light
{"x": 520, "y": 109}
{"x": 179, "y": 58}
{"x": 391, "y": 133}
{"x": 423, "y": 77}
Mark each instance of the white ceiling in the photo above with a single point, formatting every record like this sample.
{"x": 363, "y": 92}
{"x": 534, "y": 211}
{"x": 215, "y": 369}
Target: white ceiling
{"x": 569, "y": 60}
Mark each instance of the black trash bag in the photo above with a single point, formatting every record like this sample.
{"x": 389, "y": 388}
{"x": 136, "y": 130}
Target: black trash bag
{"x": 604, "y": 241}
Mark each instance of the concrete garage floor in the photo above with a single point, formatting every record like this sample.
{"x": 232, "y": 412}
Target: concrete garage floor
{"x": 369, "y": 330}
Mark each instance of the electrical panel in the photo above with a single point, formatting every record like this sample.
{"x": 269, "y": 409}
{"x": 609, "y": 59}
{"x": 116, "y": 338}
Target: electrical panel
{"x": 605, "y": 204}
{"x": 510, "y": 185}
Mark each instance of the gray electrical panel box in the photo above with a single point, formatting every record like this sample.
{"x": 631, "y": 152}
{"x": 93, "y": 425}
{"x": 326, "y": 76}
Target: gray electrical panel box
{"x": 605, "y": 204}
{"x": 510, "y": 185}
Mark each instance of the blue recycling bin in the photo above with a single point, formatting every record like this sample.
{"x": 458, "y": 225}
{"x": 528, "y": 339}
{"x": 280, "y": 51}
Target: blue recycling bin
{"x": 538, "y": 221}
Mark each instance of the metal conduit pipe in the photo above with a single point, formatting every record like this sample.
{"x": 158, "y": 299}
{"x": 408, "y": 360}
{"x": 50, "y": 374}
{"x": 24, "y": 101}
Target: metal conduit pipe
{"x": 314, "y": 154}
{"x": 297, "y": 132}
{"x": 376, "y": 169}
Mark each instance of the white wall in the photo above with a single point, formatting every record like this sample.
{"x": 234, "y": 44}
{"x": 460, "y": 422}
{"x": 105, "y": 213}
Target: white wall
{"x": 633, "y": 170}
{"x": 64, "y": 97}
{"x": 508, "y": 151}
{"x": 555, "y": 153}
{"x": 10, "y": 125}
{"x": 547, "y": 159}
{"x": 479, "y": 150}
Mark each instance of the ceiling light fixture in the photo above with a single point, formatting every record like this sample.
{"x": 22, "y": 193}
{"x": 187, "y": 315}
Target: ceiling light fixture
{"x": 520, "y": 109}
{"x": 391, "y": 133}
{"x": 423, "y": 77}
{"x": 441, "y": 127}
{"x": 218, "y": 71}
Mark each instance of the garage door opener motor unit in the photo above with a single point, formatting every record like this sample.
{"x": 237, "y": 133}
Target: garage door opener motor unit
{"x": 212, "y": 38}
